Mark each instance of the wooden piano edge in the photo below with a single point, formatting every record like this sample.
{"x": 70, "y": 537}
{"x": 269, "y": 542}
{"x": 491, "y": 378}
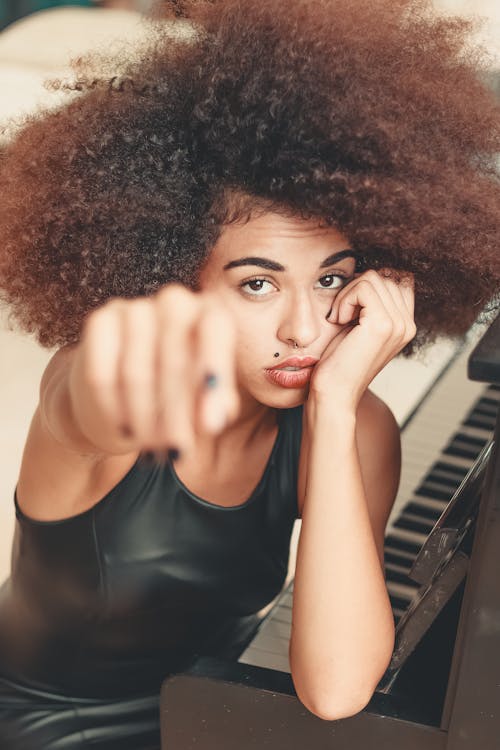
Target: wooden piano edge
{"x": 471, "y": 713}
{"x": 219, "y": 704}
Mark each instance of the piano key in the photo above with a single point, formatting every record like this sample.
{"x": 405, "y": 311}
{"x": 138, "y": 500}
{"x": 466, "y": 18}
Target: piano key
{"x": 398, "y": 603}
{"x": 283, "y": 615}
{"x": 393, "y": 575}
{"x": 278, "y": 629}
{"x": 392, "y": 559}
{"x": 265, "y": 659}
{"x": 402, "y": 590}
{"x": 286, "y": 599}
{"x": 451, "y": 469}
{"x": 481, "y": 422}
{"x": 434, "y": 505}
{"x": 488, "y": 402}
{"x": 486, "y": 409}
{"x": 430, "y": 491}
{"x": 263, "y": 641}
{"x": 482, "y": 433}
{"x": 471, "y": 441}
{"x": 421, "y": 510}
{"x": 461, "y": 450}
{"x": 439, "y": 480}
{"x": 417, "y": 525}
{"x": 404, "y": 546}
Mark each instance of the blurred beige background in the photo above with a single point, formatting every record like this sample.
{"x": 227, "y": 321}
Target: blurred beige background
{"x": 40, "y": 46}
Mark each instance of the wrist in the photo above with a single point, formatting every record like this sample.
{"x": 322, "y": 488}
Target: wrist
{"x": 328, "y": 410}
{"x": 345, "y": 395}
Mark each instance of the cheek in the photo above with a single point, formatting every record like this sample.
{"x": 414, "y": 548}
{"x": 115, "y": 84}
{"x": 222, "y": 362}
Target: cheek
{"x": 255, "y": 342}
{"x": 251, "y": 346}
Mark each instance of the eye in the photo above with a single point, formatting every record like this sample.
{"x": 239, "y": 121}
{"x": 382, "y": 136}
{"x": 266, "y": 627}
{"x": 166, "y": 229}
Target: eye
{"x": 256, "y": 287}
{"x": 332, "y": 281}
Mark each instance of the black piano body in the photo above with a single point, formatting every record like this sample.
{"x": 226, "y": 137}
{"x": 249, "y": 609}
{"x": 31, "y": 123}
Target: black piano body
{"x": 442, "y": 688}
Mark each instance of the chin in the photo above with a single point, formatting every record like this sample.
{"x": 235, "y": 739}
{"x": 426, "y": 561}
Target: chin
{"x": 283, "y": 398}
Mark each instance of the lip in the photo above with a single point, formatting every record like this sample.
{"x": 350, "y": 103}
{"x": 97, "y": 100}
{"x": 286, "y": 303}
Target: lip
{"x": 296, "y": 362}
{"x": 287, "y": 379}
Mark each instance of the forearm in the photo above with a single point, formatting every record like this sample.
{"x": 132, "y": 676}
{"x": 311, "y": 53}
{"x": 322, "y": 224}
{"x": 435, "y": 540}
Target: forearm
{"x": 342, "y": 625}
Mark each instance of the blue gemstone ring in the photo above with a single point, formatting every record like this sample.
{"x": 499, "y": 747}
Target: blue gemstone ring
{"x": 210, "y": 380}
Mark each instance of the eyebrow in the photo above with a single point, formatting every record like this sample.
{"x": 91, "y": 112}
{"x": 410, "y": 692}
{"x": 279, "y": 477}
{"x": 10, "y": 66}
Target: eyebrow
{"x": 271, "y": 265}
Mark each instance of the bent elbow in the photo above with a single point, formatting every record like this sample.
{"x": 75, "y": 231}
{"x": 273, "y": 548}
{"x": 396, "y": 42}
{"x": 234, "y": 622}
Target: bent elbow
{"x": 340, "y": 703}
{"x": 332, "y": 708}
{"x": 331, "y": 693}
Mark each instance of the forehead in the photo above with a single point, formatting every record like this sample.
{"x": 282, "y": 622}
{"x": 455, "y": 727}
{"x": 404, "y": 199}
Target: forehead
{"x": 276, "y": 234}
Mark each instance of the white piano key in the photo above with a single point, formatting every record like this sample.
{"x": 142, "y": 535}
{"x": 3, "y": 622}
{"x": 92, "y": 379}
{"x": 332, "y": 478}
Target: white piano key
{"x": 263, "y": 641}
{"x": 277, "y": 629}
{"x": 265, "y": 659}
{"x": 282, "y": 614}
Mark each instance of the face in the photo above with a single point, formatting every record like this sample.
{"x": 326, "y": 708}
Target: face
{"x": 278, "y": 277}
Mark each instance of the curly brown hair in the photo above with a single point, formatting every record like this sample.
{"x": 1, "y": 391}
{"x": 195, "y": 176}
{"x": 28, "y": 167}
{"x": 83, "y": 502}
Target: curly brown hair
{"x": 371, "y": 116}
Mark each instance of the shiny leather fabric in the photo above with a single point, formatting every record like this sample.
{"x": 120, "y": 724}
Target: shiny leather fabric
{"x": 102, "y": 606}
{"x": 39, "y": 720}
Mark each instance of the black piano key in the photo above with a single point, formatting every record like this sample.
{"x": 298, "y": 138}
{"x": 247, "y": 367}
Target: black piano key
{"x": 471, "y": 440}
{"x": 399, "y": 560}
{"x": 447, "y": 483}
{"x": 488, "y": 402}
{"x": 458, "y": 471}
{"x": 422, "y": 510}
{"x": 426, "y": 490}
{"x": 445, "y": 475}
{"x": 399, "y": 543}
{"x": 413, "y": 524}
{"x": 465, "y": 447}
{"x": 399, "y": 603}
{"x": 481, "y": 422}
{"x": 484, "y": 414}
{"x": 486, "y": 406}
{"x": 396, "y": 576}
{"x": 461, "y": 451}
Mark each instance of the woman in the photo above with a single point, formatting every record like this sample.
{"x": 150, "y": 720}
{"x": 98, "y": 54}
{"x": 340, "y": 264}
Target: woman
{"x": 225, "y": 243}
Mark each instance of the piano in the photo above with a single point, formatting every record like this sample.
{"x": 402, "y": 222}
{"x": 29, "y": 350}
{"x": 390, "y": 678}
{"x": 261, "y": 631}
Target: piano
{"x": 442, "y": 553}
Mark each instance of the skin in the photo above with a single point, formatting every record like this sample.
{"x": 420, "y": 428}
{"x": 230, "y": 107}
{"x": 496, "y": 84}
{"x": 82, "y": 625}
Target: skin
{"x": 135, "y": 382}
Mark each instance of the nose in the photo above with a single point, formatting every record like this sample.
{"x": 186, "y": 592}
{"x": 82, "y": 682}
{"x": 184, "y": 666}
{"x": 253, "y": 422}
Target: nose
{"x": 301, "y": 321}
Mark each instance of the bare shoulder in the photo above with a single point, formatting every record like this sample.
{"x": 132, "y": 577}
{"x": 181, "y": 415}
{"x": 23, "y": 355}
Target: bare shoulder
{"x": 56, "y": 482}
{"x": 61, "y": 477}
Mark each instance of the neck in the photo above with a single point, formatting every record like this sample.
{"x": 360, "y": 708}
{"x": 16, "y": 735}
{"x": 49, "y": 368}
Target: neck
{"x": 253, "y": 419}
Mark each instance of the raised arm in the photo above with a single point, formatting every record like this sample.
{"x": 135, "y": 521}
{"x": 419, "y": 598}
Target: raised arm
{"x": 134, "y": 382}
{"x": 342, "y": 623}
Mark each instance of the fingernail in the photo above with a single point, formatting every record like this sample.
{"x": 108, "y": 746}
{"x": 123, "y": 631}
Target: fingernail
{"x": 173, "y": 454}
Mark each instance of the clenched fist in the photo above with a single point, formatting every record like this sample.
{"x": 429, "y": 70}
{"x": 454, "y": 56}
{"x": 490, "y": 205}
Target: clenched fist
{"x": 151, "y": 372}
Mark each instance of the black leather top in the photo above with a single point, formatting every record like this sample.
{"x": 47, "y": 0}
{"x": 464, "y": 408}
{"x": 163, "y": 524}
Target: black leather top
{"x": 107, "y": 603}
